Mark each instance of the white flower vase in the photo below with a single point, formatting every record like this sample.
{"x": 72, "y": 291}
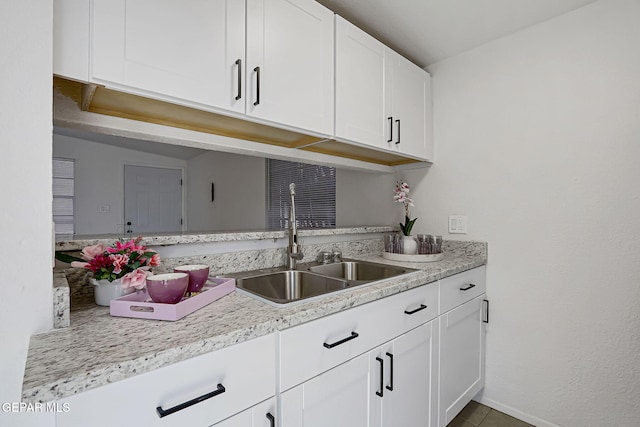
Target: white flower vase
{"x": 409, "y": 245}
{"x": 104, "y": 291}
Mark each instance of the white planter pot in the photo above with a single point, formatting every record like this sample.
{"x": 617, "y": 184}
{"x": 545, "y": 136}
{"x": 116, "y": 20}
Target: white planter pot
{"x": 409, "y": 245}
{"x": 104, "y": 291}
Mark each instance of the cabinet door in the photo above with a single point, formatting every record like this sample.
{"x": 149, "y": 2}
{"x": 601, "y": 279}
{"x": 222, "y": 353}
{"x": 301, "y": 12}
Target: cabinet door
{"x": 257, "y": 416}
{"x": 290, "y": 63}
{"x": 408, "y": 103}
{"x": 339, "y": 397}
{"x": 189, "y": 50}
{"x": 407, "y": 394}
{"x": 71, "y": 39}
{"x": 461, "y": 357}
{"x": 412, "y": 401}
{"x": 359, "y": 85}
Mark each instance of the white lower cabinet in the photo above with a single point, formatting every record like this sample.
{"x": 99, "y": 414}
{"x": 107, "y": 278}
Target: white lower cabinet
{"x": 261, "y": 415}
{"x": 421, "y": 372}
{"x": 378, "y": 371}
{"x": 462, "y": 341}
{"x": 200, "y": 391}
{"x": 389, "y": 386}
{"x": 338, "y": 397}
{"x": 461, "y": 358}
{"x": 404, "y": 386}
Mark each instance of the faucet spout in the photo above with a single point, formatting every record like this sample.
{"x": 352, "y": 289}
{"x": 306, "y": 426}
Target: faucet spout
{"x": 294, "y": 251}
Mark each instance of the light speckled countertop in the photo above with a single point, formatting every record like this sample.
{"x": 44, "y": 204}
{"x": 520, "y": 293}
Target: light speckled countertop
{"x": 80, "y": 241}
{"x": 98, "y": 349}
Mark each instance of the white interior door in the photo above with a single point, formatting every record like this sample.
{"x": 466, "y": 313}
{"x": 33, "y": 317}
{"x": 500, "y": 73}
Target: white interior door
{"x": 152, "y": 200}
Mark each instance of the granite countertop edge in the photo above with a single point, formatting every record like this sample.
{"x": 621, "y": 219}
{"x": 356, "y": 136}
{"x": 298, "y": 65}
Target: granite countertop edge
{"x": 79, "y": 242}
{"x": 50, "y": 389}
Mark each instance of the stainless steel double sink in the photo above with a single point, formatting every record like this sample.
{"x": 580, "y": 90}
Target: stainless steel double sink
{"x": 284, "y": 287}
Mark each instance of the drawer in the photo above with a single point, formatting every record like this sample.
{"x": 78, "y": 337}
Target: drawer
{"x": 461, "y": 287}
{"x": 312, "y": 348}
{"x": 417, "y": 306}
{"x": 246, "y": 371}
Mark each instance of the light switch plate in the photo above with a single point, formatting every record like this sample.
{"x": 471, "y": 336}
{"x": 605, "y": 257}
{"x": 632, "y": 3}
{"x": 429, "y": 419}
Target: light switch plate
{"x": 457, "y": 224}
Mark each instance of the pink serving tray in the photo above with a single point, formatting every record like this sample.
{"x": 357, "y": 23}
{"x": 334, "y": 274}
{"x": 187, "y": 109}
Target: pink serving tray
{"x": 139, "y": 304}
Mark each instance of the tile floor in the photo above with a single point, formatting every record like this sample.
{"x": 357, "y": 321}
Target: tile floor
{"x": 477, "y": 415}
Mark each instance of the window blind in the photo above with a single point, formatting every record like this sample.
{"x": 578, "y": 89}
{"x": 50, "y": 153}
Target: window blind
{"x": 63, "y": 192}
{"x": 315, "y": 194}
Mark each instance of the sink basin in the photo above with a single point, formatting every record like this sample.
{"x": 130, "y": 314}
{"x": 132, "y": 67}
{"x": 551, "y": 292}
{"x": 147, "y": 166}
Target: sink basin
{"x": 358, "y": 270}
{"x": 282, "y": 287}
{"x": 286, "y": 287}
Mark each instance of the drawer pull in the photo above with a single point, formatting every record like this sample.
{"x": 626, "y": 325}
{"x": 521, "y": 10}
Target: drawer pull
{"x": 272, "y": 419}
{"x": 337, "y": 343}
{"x": 422, "y": 307}
{"x": 381, "y": 392}
{"x": 390, "y": 386}
{"x": 487, "y": 312}
{"x": 164, "y": 412}
{"x": 471, "y": 285}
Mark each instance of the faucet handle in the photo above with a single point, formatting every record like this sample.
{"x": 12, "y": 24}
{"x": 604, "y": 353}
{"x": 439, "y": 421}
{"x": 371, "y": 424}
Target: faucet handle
{"x": 324, "y": 257}
{"x": 336, "y": 256}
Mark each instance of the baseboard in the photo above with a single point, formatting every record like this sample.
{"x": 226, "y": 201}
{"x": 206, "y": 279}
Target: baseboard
{"x": 513, "y": 412}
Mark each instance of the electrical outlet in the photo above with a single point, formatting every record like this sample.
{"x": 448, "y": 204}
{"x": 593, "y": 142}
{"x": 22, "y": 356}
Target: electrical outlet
{"x": 105, "y": 209}
{"x": 457, "y": 224}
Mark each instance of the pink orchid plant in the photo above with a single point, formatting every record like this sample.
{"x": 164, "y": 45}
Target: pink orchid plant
{"x": 128, "y": 260}
{"x": 401, "y": 195}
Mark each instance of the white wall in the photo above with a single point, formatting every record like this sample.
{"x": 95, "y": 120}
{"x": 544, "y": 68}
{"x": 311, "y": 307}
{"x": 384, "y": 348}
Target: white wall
{"x": 99, "y": 180}
{"x": 366, "y": 199}
{"x": 25, "y": 217}
{"x": 239, "y": 202}
{"x": 240, "y": 189}
{"x": 240, "y": 194}
{"x": 538, "y": 142}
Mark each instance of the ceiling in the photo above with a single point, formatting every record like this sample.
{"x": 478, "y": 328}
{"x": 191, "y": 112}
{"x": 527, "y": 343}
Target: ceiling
{"x": 428, "y": 31}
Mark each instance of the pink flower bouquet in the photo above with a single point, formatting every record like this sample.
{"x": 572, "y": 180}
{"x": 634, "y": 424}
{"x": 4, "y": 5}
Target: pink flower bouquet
{"x": 128, "y": 260}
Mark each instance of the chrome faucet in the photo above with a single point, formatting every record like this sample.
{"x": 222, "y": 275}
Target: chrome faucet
{"x": 294, "y": 251}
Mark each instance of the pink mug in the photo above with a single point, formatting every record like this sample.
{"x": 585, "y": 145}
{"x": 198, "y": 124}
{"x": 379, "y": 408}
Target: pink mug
{"x": 198, "y": 275}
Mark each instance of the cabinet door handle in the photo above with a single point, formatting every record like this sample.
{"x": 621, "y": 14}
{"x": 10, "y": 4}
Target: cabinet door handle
{"x": 164, "y": 412}
{"x": 272, "y": 419}
{"x": 398, "y": 122}
{"x": 381, "y": 392}
{"x": 257, "y": 71}
{"x": 390, "y": 129}
{"x": 471, "y": 285}
{"x": 487, "y": 312}
{"x": 239, "y": 64}
{"x": 354, "y": 335}
{"x": 390, "y": 386}
{"x": 422, "y": 307}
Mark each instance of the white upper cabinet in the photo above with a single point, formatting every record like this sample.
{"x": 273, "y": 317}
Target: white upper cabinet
{"x": 408, "y": 107}
{"x": 360, "y": 109}
{"x": 71, "y": 39}
{"x": 290, "y": 63}
{"x": 190, "y": 50}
